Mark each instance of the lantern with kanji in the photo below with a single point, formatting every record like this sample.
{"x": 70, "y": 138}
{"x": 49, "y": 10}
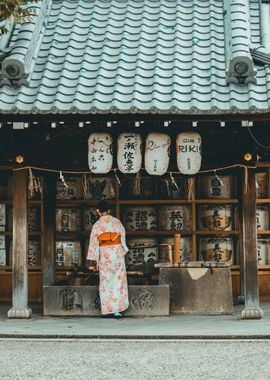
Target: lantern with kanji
{"x": 157, "y": 153}
{"x": 129, "y": 152}
{"x": 100, "y": 157}
{"x": 188, "y": 152}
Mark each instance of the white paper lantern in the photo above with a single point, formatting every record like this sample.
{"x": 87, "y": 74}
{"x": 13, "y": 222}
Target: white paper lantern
{"x": 129, "y": 152}
{"x": 100, "y": 158}
{"x": 157, "y": 153}
{"x": 188, "y": 152}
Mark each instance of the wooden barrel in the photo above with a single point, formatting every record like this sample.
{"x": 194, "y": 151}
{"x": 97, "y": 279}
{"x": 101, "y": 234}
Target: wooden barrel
{"x": 216, "y": 249}
{"x": 185, "y": 249}
{"x": 34, "y": 252}
{"x": 128, "y": 189}
{"x": 68, "y": 219}
{"x": 213, "y": 187}
{"x": 2, "y": 217}
{"x": 174, "y": 217}
{"x": 142, "y": 251}
{"x": 68, "y": 253}
{"x": 73, "y": 191}
{"x": 215, "y": 217}
{"x": 262, "y": 217}
{"x": 261, "y": 185}
{"x": 100, "y": 188}
{"x": 263, "y": 250}
{"x": 90, "y": 217}
{"x": 140, "y": 218}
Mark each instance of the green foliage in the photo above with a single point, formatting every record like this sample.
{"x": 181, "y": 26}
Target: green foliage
{"x": 14, "y": 10}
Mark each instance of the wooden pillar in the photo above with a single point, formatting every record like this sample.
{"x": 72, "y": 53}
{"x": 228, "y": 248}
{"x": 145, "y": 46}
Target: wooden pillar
{"x": 241, "y": 297}
{"x": 249, "y": 245}
{"x": 48, "y": 239}
{"x": 20, "y": 307}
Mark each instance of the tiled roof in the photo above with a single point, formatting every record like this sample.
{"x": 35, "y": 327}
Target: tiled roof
{"x": 149, "y": 56}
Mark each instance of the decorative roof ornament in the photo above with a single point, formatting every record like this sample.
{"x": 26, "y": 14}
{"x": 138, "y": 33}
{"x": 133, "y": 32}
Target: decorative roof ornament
{"x": 18, "y": 57}
{"x": 240, "y": 66}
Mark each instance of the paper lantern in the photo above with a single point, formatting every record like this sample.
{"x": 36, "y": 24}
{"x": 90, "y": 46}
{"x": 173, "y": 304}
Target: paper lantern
{"x": 157, "y": 153}
{"x": 100, "y": 158}
{"x": 188, "y": 152}
{"x": 129, "y": 152}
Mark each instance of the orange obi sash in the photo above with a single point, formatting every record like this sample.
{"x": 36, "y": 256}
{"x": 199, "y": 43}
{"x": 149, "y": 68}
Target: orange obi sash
{"x": 109, "y": 238}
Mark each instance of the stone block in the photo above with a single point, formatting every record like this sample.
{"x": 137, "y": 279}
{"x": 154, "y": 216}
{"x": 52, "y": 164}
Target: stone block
{"x": 205, "y": 291}
{"x": 144, "y": 300}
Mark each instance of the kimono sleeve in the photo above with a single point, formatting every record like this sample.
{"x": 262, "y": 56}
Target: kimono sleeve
{"x": 93, "y": 250}
{"x": 123, "y": 237}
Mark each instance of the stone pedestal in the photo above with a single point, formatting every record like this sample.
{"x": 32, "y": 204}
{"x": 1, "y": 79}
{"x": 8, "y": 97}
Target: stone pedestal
{"x": 19, "y": 313}
{"x": 206, "y": 291}
{"x": 144, "y": 300}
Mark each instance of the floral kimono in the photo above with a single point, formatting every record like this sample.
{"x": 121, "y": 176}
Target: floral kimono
{"x": 110, "y": 258}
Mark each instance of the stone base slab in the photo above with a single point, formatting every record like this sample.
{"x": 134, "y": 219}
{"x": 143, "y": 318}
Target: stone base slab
{"x": 144, "y": 300}
{"x": 19, "y": 313}
{"x": 205, "y": 291}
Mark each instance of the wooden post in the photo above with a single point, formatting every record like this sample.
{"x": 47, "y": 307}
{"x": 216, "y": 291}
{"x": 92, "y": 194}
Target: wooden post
{"x": 20, "y": 307}
{"x": 48, "y": 236}
{"x": 249, "y": 244}
{"x": 241, "y": 297}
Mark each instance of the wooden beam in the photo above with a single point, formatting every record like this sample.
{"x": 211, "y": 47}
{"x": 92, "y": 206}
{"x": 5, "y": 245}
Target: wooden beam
{"x": 20, "y": 307}
{"x": 252, "y": 309}
{"x": 48, "y": 241}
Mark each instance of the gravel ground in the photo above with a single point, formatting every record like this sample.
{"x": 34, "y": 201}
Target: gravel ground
{"x": 147, "y": 360}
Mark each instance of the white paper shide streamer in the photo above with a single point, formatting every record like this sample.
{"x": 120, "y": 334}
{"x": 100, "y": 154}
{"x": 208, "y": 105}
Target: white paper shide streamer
{"x": 100, "y": 158}
{"x": 188, "y": 152}
{"x": 157, "y": 153}
{"x": 129, "y": 152}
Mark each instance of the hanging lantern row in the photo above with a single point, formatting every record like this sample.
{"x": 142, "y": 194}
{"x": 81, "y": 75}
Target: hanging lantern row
{"x": 156, "y": 157}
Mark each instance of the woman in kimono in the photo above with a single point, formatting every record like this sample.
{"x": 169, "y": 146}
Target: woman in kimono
{"x": 107, "y": 247}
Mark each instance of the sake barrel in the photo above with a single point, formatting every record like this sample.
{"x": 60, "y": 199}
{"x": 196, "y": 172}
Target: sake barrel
{"x": 2, "y": 217}
{"x": 33, "y": 218}
{"x": 167, "y": 189}
{"x": 261, "y": 185}
{"x": 34, "y": 252}
{"x": 185, "y": 249}
{"x": 100, "y": 157}
{"x": 129, "y": 190}
{"x": 215, "y": 187}
{"x": 129, "y": 152}
{"x": 73, "y": 190}
{"x": 99, "y": 188}
{"x": 2, "y": 242}
{"x": 216, "y": 249}
{"x": 142, "y": 251}
{"x": 215, "y": 217}
{"x": 174, "y": 217}
{"x": 90, "y": 216}
{"x": 188, "y": 152}
{"x": 68, "y": 219}
{"x": 262, "y": 217}
{"x": 3, "y": 257}
{"x": 157, "y": 153}
{"x": 263, "y": 250}
{"x": 140, "y": 218}
{"x": 68, "y": 253}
